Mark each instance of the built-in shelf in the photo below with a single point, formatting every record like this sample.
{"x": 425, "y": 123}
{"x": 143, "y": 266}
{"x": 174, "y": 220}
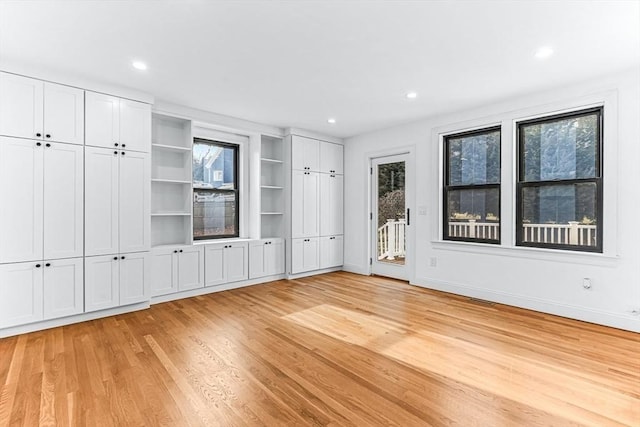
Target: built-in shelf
{"x": 171, "y": 192}
{"x": 170, "y": 181}
{"x": 266, "y": 160}
{"x": 171, "y": 148}
{"x": 171, "y": 214}
{"x": 272, "y": 187}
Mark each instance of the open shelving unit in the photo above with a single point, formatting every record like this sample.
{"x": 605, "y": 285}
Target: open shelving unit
{"x": 171, "y": 189}
{"x": 272, "y": 194}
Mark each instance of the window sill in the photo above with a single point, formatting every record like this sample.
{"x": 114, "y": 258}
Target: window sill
{"x": 554, "y": 255}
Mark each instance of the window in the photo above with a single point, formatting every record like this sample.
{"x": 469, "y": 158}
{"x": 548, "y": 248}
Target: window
{"x": 559, "y": 189}
{"x": 472, "y": 186}
{"x": 215, "y": 190}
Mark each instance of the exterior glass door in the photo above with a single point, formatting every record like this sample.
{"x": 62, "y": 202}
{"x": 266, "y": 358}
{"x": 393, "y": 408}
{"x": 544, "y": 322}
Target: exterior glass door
{"x": 391, "y": 217}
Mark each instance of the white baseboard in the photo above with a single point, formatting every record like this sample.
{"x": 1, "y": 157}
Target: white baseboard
{"x": 313, "y": 273}
{"x": 357, "y": 269}
{"x": 212, "y": 289}
{"x": 54, "y": 323}
{"x": 615, "y": 320}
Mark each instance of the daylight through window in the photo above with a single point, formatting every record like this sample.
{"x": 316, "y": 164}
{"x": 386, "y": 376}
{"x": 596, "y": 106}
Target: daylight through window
{"x": 215, "y": 189}
{"x": 559, "y": 190}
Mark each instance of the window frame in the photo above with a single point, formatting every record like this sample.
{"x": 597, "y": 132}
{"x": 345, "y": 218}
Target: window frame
{"x": 446, "y": 187}
{"x": 597, "y": 180}
{"x": 236, "y": 190}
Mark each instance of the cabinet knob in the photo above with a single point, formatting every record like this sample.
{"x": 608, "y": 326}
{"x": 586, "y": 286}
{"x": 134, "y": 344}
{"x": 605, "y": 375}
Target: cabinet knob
{"x": 180, "y": 251}
{"x": 175, "y": 252}
{"x": 115, "y": 152}
{"x": 115, "y": 144}
{"x": 48, "y": 264}
{"x": 38, "y": 134}
{"x": 124, "y": 145}
{"x": 47, "y": 135}
{"x": 38, "y": 144}
{"x": 115, "y": 258}
{"x": 47, "y": 145}
{"x": 121, "y": 257}
{"x": 37, "y": 265}
{"x": 122, "y": 153}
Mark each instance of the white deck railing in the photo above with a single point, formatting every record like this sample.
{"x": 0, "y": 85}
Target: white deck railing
{"x": 572, "y": 233}
{"x": 391, "y": 241}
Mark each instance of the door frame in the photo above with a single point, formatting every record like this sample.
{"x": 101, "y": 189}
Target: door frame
{"x": 408, "y": 271}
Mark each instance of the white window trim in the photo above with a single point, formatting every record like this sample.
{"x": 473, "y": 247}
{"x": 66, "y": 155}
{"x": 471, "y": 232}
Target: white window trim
{"x": 508, "y": 121}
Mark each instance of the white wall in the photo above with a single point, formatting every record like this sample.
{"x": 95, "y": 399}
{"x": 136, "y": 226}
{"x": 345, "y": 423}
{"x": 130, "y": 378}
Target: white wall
{"x": 543, "y": 280}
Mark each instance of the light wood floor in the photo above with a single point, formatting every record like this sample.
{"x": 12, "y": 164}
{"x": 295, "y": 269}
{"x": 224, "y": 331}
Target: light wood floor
{"x": 337, "y": 349}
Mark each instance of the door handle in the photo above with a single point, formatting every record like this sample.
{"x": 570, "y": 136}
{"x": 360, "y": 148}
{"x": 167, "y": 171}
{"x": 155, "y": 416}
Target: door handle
{"x": 408, "y": 216}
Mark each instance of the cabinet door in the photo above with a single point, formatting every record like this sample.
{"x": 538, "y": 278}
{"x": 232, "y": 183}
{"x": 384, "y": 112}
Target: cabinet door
{"x": 331, "y": 204}
{"x": 331, "y": 252}
{"x": 214, "y": 265}
{"x": 305, "y": 255}
{"x": 102, "y": 120}
{"x": 20, "y": 106}
{"x": 135, "y": 202}
{"x": 21, "y": 213}
{"x": 331, "y": 158}
{"x": 190, "y": 267}
{"x": 236, "y": 264}
{"x": 101, "y": 286}
{"x": 63, "y": 288}
{"x": 305, "y": 153}
{"x": 63, "y": 114}
{"x": 135, "y": 126}
{"x": 274, "y": 259}
{"x": 258, "y": 259}
{"x": 63, "y": 201}
{"x": 304, "y": 204}
{"x": 164, "y": 272}
{"x": 20, "y": 293}
{"x": 134, "y": 278}
{"x": 101, "y": 201}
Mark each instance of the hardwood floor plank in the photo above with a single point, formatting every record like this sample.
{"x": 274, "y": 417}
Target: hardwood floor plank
{"x": 331, "y": 350}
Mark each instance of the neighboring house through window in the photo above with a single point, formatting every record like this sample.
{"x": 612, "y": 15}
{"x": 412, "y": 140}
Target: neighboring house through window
{"x": 472, "y": 186}
{"x": 215, "y": 189}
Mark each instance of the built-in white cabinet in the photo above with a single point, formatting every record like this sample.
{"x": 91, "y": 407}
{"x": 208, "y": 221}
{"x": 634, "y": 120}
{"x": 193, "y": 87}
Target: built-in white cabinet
{"x": 305, "y": 153}
{"x": 331, "y": 158}
{"x": 41, "y": 188}
{"x": 33, "y": 291}
{"x": 225, "y": 263}
{"x": 305, "y": 188}
{"x": 117, "y": 206}
{"x": 331, "y": 204}
{"x": 115, "y": 280}
{"x": 266, "y": 258}
{"x": 331, "y": 251}
{"x": 113, "y": 122}
{"x": 305, "y": 255}
{"x": 63, "y": 287}
{"x": 177, "y": 268}
{"x": 31, "y": 108}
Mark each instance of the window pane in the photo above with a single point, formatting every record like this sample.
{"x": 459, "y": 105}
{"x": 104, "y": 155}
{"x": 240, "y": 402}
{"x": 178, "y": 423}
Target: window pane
{"x": 474, "y": 159}
{"x": 560, "y": 214}
{"x": 561, "y": 149}
{"x": 474, "y": 214}
{"x": 213, "y": 166}
{"x": 214, "y": 214}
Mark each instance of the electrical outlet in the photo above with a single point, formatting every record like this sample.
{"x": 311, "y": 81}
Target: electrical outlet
{"x": 586, "y": 283}
{"x": 433, "y": 262}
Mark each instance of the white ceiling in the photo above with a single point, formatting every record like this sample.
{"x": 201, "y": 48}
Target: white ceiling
{"x": 296, "y": 63}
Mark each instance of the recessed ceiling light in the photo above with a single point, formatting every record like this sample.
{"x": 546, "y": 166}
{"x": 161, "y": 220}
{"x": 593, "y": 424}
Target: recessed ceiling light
{"x": 412, "y": 95}
{"x": 139, "y": 65}
{"x": 544, "y": 52}
{"x": 331, "y": 121}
